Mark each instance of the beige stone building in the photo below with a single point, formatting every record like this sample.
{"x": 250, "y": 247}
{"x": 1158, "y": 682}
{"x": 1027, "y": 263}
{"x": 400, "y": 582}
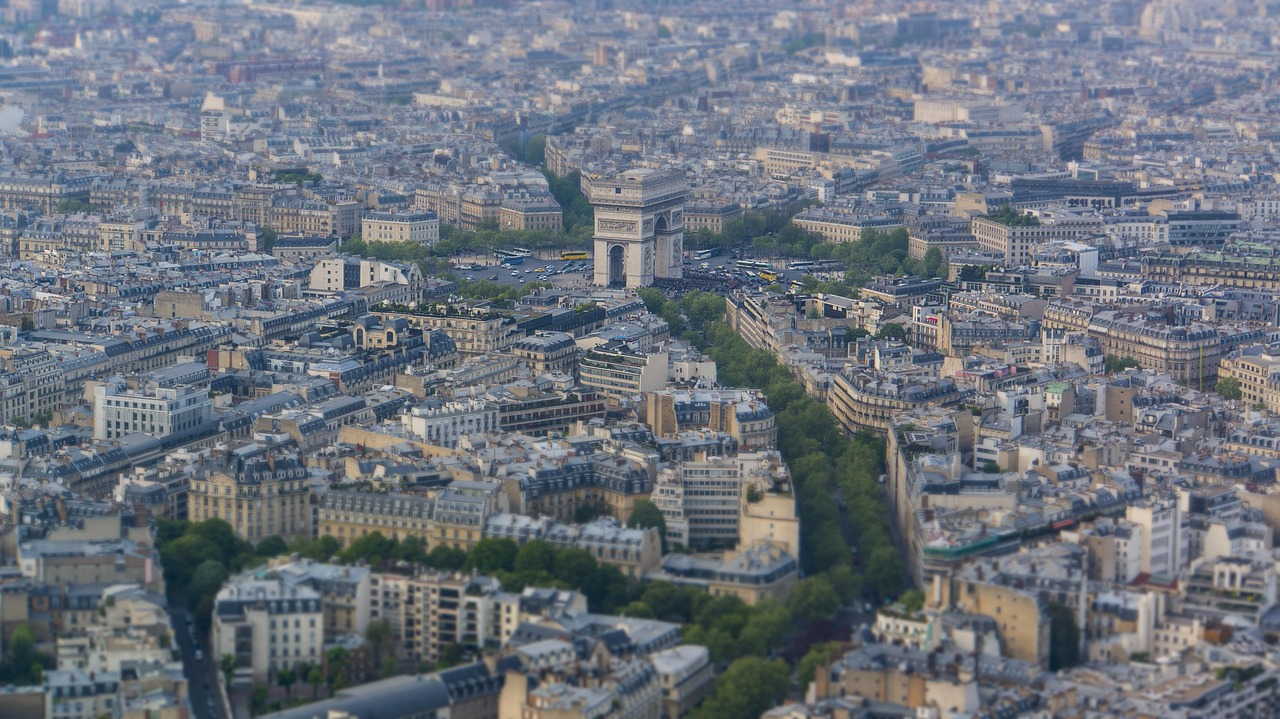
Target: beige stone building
{"x": 1258, "y": 373}
{"x": 421, "y": 227}
{"x": 1189, "y": 353}
{"x": 263, "y": 491}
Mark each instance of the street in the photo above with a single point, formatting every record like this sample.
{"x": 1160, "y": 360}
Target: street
{"x": 202, "y": 676}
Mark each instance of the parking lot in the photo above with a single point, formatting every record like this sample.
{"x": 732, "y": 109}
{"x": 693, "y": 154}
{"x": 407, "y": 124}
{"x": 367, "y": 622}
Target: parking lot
{"x": 580, "y": 273}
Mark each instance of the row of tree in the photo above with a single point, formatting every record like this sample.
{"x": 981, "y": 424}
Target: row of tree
{"x": 199, "y": 556}
{"x": 824, "y": 464}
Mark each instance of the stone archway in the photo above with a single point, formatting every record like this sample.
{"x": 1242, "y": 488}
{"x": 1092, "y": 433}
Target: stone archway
{"x": 617, "y": 266}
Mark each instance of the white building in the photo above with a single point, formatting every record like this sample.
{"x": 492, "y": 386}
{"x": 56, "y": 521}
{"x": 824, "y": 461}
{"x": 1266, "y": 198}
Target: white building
{"x": 267, "y": 624}
{"x": 173, "y": 400}
{"x": 700, "y": 502}
{"x": 422, "y": 227}
{"x": 444, "y": 423}
{"x": 1163, "y": 541}
{"x": 73, "y": 694}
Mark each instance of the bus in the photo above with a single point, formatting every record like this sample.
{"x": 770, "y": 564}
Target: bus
{"x": 753, "y": 265}
{"x": 768, "y": 275}
{"x": 803, "y": 265}
{"x": 577, "y": 255}
{"x": 704, "y": 254}
{"x": 521, "y": 252}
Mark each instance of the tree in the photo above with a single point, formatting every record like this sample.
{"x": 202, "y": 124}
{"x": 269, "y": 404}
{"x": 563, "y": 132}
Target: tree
{"x": 818, "y": 655}
{"x": 990, "y": 467}
{"x": 335, "y": 669}
{"x": 451, "y": 656}
{"x": 286, "y": 677}
{"x": 207, "y": 580}
{"x": 491, "y": 555}
{"x": 372, "y": 548}
{"x": 266, "y": 239}
{"x": 638, "y": 610}
{"x": 227, "y": 664}
{"x": 27, "y": 324}
{"x": 1229, "y": 388}
{"x": 257, "y": 700}
{"x": 380, "y": 635}
{"x": 575, "y": 567}
{"x": 1114, "y": 364}
{"x": 912, "y": 600}
{"x": 645, "y": 514}
{"x": 315, "y": 677}
{"x": 892, "y": 331}
{"x": 654, "y": 299}
{"x": 535, "y": 151}
{"x": 934, "y": 264}
{"x": 21, "y": 650}
{"x": 813, "y": 599}
{"x": 442, "y": 556}
{"x": 884, "y": 572}
{"x": 535, "y": 556}
{"x": 748, "y": 688}
{"x": 69, "y": 206}
{"x": 1064, "y": 638}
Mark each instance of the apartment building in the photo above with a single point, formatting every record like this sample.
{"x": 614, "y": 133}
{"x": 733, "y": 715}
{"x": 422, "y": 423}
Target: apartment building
{"x": 350, "y": 515}
{"x": 174, "y": 400}
{"x": 442, "y": 423}
{"x": 1016, "y": 239}
{"x": 686, "y": 675}
{"x": 620, "y": 372}
{"x": 432, "y": 610}
{"x": 1163, "y": 540}
{"x": 539, "y": 413}
{"x": 709, "y": 217}
{"x": 267, "y": 625}
{"x": 535, "y": 213}
{"x": 473, "y": 332}
{"x": 868, "y": 400}
{"x": 262, "y": 490}
{"x": 350, "y": 273}
{"x": 753, "y": 575}
{"x": 1230, "y": 268}
{"x": 1188, "y": 352}
{"x": 421, "y": 227}
{"x": 1258, "y": 372}
{"x": 39, "y": 376}
{"x": 742, "y": 414}
{"x": 700, "y": 502}
{"x": 316, "y": 218}
{"x": 835, "y": 226}
{"x": 547, "y": 352}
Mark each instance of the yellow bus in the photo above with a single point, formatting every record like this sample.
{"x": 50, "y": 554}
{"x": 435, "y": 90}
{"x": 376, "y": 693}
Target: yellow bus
{"x": 768, "y": 275}
{"x": 574, "y": 256}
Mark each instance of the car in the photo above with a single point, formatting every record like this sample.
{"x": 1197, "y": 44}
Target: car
{"x": 471, "y": 278}
{"x": 526, "y": 270}
{"x": 493, "y": 276}
{"x": 515, "y": 273}
{"x": 522, "y": 280}
{"x": 199, "y": 655}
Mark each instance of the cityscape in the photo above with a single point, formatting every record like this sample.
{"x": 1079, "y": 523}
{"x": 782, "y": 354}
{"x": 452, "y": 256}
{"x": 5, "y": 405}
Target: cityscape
{"x": 639, "y": 359}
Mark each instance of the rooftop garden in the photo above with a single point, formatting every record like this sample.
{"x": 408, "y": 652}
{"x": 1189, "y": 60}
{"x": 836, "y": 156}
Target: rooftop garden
{"x": 1010, "y": 217}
